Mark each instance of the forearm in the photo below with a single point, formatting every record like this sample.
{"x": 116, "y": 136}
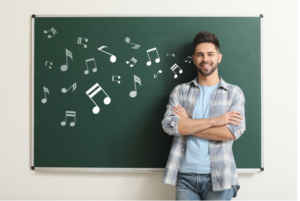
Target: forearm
{"x": 188, "y": 126}
{"x": 221, "y": 133}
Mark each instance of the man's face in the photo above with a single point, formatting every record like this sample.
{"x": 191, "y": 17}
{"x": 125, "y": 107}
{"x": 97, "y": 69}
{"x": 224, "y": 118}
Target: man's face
{"x": 206, "y": 58}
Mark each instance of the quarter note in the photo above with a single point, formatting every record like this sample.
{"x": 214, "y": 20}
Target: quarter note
{"x": 133, "y": 94}
{"x": 44, "y": 100}
{"x": 157, "y": 73}
{"x": 157, "y": 60}
{"x": 68, "y": 54}
{"x": 80, "y": 39}
{"x": 188, "y": 59}
{"x": 92, "y": 92}
{"x": 64, "y": 90}
{"x": 127, "y": 40}
{"x": 69, "y": 114}
{"x": 49, "y": 65}
{"x": 113, "y": 78}
{"x": 173, "y": 55}
{"x": 174, "y": 67}
{"x": 53, "y": 32}
{"x": 113, "y": 58}
{"x": 95, "y": 67}
{"x": 133, "y": 60}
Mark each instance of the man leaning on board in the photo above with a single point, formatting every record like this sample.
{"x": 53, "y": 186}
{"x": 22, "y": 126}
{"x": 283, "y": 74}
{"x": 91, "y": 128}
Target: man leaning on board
{"x": 204, "y": 115}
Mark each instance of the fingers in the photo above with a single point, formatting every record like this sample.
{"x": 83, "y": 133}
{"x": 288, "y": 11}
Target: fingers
{"x": 237, "y": 116}
{"x": 233, "y": 122}
{"x": 175, "y": 109}
{"x": 178, "y": 108}
{"x": 182, "y": 110}
{"x": 236, "y": 120}
{"x": 236, "y": 112}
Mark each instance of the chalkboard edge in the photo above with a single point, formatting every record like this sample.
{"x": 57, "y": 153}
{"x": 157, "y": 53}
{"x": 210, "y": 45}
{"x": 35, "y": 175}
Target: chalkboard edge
{"x": 70, "y": 169}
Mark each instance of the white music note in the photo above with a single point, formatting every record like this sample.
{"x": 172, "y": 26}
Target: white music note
{"x": 157, "y": 60}
{"x": 64, "y": 90}
{"x": 133, "y": 94}
{"x": 95, "y": 67}
{"x": 69, "y": 114}
{"x": 174, "y": 67}
{"x": 127, "y": 40}
{"x": 80, "y": 39}
{"x": 53, "y": 32}
{"x": 113, "y": 58}
{"x": 65, "y": 67}
{"x": 157, "y": 73}
{"x": 173, "y": 55}
{"x": 92, "y": 92}
{"x": 49, "y": 65}
{"x": 113, "y": 78}
{"x": 44, "y": 100}
{"x": 133, "y": 60}
{"x": 188, "y": 59}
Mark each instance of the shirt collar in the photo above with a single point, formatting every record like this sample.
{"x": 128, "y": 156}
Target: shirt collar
{"x": 222, "y": 83}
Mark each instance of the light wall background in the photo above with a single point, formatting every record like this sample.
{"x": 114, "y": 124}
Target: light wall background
{"x": 18, "y": 181}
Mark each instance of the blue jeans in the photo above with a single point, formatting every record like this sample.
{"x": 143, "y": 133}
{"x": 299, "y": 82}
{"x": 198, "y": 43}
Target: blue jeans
{"x": 198, "y": 187}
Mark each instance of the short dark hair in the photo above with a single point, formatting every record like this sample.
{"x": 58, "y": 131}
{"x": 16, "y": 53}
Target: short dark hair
{"x": 206, "y": 37}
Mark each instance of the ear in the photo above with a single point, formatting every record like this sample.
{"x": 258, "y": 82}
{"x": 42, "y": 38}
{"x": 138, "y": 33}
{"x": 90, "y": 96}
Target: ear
{"x": 220, "y": 57}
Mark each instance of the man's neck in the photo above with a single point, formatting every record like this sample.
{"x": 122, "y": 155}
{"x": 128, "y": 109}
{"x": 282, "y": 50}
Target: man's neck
{"x": 208, "y": 81}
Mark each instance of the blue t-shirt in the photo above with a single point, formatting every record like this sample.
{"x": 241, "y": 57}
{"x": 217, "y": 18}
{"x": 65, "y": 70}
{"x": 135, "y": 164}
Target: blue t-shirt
{"x": 196, "y": 159}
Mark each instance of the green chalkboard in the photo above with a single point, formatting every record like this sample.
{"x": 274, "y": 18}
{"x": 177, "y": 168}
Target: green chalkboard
{"x": 125, "y": 130}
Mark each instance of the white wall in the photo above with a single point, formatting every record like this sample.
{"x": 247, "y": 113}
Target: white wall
{"x": 18, "y": 181}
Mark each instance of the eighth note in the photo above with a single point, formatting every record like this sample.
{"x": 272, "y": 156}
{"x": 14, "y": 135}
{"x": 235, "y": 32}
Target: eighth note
{"x": 69, "y": 114}
{"x": 127, "y": 40}
{"x": 133, "y": 60}
{"x": 173, "y": 55}
{"x": 136, "y": 80}
{"x": 157, "y": 73}
{"x": 92, "y": 92}
{"x": 53, "y": 32}
{"x": 174, "y": 67}
{"x": 64, "y": 90}
{"x": 157, "y": 60}
{"x": 44, "y": 100}
{"x": 65, "y": 67}
{"x": 113, "y": 58}
{"x": 79, "y": 41}
{"x": 95, "y": 67}
{"x": 113, "y": 78}
{"x": 188, "y": 59}
{"x": 48, "y": 64}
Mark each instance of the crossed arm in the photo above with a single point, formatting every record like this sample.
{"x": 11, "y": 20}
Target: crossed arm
{"x": 210, "y": 129}
{"x": 229, "y": 126}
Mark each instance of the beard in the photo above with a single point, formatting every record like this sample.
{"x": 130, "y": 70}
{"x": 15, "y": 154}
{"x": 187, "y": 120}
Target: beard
{"x": 208, "y": 73}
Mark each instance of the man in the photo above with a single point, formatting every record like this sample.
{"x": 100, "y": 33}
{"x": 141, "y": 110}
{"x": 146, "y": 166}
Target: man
{"x": 205, "y": 116}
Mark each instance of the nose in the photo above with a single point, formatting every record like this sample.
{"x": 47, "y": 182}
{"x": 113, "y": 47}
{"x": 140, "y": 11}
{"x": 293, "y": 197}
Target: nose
{"x": 205, "y": 58}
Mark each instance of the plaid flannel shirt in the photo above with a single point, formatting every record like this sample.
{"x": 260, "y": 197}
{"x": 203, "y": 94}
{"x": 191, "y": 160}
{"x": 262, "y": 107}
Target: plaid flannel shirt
{"x": 225, "y": 98}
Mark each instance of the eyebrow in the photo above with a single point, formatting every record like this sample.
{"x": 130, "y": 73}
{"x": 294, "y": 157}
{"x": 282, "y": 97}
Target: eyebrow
{"x": 202, "y": 52}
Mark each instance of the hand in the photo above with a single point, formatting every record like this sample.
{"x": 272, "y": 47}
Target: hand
{"x": 231, "y": 117}
{"x": 180, "y": 111}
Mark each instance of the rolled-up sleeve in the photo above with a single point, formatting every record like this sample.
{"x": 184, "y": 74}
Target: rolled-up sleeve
{"x": 170, "y": 120}
{"x": 238, "y": 104}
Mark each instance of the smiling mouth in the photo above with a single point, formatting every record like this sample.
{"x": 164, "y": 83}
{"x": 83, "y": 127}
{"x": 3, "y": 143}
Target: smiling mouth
{"x": 205, "y": 66}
